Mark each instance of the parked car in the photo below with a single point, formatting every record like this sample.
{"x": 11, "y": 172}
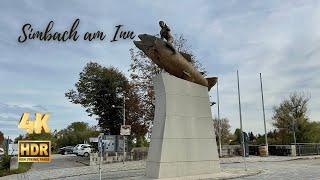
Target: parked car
{"x": 66, "y": 150}
{"x": 82, "y": 150}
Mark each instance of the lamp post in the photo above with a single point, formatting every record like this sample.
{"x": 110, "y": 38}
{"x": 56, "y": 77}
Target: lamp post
{"x": 294, "y": 125}
{"x": 124, "y": 123}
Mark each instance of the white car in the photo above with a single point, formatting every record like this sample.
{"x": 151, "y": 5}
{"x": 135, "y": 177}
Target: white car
{"x": 82, "y": 150}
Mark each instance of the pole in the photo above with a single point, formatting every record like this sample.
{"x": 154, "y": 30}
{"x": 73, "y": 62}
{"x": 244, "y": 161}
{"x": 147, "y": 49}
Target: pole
{"x": 124, "y": 123}
{"x": 264, "y": 116}
{"x": 7, "y": 146}
{"x": 100, "y": 148}
{"x": 294, "y": 131}
{"x": 219, "y": 120}
{"x": 100, "y": 164}
{"x": 242, "y": 137}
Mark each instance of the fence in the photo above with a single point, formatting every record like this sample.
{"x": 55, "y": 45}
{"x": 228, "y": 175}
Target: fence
{"x": 304, "y": 149}
{"x": 274, "y": 150}
{"x": 301, "y": 149}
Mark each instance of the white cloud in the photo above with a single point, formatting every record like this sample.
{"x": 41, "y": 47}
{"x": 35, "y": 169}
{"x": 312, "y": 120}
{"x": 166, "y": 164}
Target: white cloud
{"x": 280, "y": 39}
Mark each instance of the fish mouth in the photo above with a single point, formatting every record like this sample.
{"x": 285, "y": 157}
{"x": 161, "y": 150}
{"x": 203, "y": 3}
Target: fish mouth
{"x": 146, "y": 41}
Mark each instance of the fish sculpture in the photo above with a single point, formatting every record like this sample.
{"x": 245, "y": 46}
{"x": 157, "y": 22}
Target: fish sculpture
{"x": 175, "y": 63}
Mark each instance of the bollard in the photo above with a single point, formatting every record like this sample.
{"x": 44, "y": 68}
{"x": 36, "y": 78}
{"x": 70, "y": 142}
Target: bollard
{"x": 293, "y": 151}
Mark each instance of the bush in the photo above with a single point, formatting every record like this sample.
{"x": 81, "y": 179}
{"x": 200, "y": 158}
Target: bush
{"x": 5, "y": 163}
{"x": 5, "y": 167}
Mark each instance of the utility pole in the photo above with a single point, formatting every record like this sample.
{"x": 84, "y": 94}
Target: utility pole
{"x": 264, "y": 116}
{"x": 219, "y": 120}
{"x": 242, "y": 136}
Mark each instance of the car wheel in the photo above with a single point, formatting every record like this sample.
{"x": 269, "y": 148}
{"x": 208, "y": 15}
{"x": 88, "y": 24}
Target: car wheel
{"x": 86, "y": 154}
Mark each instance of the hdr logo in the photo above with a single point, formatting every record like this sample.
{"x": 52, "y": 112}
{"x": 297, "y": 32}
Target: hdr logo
{"x": 35, "y": 126}
{"x": 34, "y": 151}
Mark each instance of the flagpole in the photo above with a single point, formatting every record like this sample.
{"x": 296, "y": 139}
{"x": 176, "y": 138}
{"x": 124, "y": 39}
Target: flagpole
{"x": 242, "y": 136}
{"x": 219, "y": 120}
{"x": 264, "y": 116}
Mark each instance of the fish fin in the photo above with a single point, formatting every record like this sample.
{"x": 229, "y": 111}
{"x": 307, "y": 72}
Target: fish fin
{"x": 211, "y": 82}
{"x": 187, "y": 74}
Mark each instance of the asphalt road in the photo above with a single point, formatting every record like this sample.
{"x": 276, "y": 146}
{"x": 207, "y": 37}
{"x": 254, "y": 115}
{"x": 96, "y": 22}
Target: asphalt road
{"x": 295, "y": 169}
{"x": 67, "y": 167}
{"x": 58, "y": 162}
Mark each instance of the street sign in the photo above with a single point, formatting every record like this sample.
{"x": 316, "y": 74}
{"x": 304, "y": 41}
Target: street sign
{"x": 93, "y": 139}
{"x": 125, "y": 130}
{"x": 110, "y": 143}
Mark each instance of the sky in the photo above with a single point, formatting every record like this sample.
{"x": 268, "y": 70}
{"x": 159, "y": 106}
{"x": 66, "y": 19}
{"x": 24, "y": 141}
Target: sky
{"x": 280, "y": 39}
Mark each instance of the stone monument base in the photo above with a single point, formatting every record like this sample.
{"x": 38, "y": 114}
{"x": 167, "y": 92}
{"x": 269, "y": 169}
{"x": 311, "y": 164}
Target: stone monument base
{"x": 183, "y": 143}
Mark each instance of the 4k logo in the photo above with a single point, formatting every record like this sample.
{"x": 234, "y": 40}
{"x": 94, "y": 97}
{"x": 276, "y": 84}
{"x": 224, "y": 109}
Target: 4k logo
{"x": 34, "y": 126}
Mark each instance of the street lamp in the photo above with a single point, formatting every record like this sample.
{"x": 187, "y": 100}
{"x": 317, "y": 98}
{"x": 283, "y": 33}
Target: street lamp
{"x": 124, "y": 123}
{"x": 294, "y": 124}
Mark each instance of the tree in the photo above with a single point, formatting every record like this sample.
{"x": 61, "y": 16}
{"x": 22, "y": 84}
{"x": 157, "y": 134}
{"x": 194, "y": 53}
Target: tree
{"x": 139, "y": 126}
{"x": 20, "y": 137}
{"x": 1, "y": 137}
{"x": 75, "y": 133}
{"x": 236, "y": 136}
{"x": 99, "y": 90}
{"x": 142, "y": 70}
{"x": 252, "y": 137}
{"x": 225, "y": 130}
{"x": 291, "y": 115}
{"x": 312, "y": 134}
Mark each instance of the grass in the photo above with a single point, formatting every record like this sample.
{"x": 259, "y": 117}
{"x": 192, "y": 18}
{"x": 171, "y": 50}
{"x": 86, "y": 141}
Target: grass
{"x": 23, "y": 167}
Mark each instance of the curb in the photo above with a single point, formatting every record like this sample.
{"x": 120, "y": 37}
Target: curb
{"x": 293, "y": 159}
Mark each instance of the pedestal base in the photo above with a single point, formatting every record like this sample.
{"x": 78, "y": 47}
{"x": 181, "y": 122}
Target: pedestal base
{"x": 183, "y": 142}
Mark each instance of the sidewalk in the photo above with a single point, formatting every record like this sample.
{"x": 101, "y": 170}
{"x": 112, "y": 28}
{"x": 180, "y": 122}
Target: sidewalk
{"x": 239, "y": 159}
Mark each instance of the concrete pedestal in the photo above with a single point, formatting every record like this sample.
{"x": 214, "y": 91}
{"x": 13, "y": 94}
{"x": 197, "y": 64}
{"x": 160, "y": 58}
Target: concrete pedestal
{"x": 183, "y": 142}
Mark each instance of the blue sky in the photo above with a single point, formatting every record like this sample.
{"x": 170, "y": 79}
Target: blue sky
{"x": 280, "y": 39}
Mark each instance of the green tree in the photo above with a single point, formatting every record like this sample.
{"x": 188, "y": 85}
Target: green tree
{"x": 99, "y": 90}
{"x": 312, "y": 133}
{"x": 236, "y": 136}
{"x": 75, "y": 133}
{"x": 291, "y": 115}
